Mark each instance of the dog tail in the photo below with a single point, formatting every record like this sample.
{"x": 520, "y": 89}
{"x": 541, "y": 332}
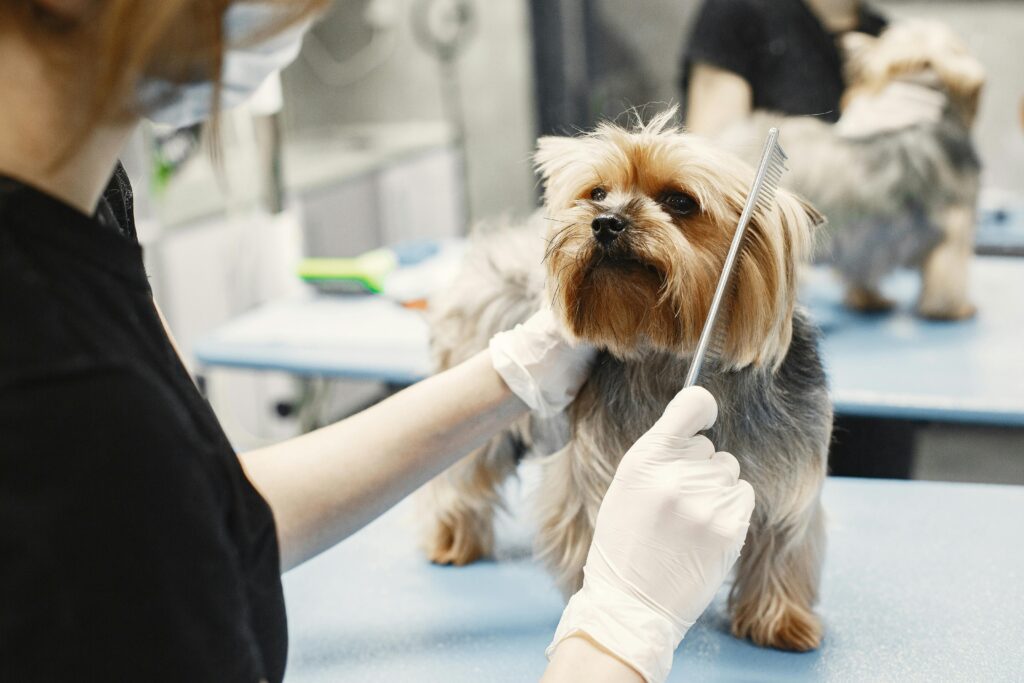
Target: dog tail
{"x": 499, "y": 285}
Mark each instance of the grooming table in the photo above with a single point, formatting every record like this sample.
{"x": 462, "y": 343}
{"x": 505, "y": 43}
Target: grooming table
{"x": 351, "y": 337}
{"x": 896, "y": 365}
{"x": 922, "y": 582}
{"x": 1000, "y": 226}
{"x": 888, "y": 366}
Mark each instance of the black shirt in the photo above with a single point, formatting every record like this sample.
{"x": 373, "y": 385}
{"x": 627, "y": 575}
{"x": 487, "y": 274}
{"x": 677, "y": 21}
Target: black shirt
{"x": 780, "y": 48}
{"x": 132, "y": 546}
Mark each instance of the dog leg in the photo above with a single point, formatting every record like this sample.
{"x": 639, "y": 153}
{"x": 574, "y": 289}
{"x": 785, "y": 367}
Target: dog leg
{"x": 866, "y": 299}
{"x": 777, "y": 582}
{"x": 462, "y": 501}
{"x": 568, "y": 510}
{"x": 944, "y": 281}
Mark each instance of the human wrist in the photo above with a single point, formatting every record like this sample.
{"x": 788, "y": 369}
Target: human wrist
{"x": 624, "y": 625}
{"x": 580, "y": 658}
{"x": 539, "y": 365}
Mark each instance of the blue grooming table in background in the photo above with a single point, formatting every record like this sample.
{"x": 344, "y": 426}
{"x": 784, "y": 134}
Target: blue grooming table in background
{"x": 889, "y": 366}
{"x": 922, "y": 582}
{"x": 896, "y": 365}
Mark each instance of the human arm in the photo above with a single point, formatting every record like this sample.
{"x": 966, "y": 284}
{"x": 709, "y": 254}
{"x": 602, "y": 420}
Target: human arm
{"x": 717, "y": 98}
{"x": 579, "y": 658}
{"x": 720, "y": 64}
{"x": 668, "y": 532}
{"x": 327, "y": 484}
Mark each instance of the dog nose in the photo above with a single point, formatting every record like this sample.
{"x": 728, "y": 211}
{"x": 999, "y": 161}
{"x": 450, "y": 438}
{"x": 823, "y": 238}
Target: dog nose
{"x": 608, "y": 226}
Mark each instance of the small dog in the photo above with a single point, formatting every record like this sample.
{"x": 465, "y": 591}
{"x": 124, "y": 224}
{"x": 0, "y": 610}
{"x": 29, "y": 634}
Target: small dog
{"x": 637, "y": 226}
{"x": 897, "y": 176}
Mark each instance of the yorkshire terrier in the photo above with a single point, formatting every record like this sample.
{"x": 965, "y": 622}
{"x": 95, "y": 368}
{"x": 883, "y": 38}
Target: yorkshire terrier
{"x": 628, "y": 252}
{"x": 897, "y": 176}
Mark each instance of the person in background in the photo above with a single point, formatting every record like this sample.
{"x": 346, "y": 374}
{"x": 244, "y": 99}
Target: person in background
{"x": 777, "y": 55}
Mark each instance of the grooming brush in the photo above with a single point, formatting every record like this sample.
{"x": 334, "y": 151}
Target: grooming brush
{"x": 762, "y": 192}
{"x": 360, "y": 274}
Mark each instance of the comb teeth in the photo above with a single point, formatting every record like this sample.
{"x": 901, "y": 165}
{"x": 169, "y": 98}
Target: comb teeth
{"x": 775, "y": 167}
{"x": 762, "y": 192}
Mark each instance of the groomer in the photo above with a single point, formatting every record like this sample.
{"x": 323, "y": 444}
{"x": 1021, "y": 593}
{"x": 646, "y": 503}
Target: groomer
{"x": 135, "y": 545}
{"x": 775, "y": 55}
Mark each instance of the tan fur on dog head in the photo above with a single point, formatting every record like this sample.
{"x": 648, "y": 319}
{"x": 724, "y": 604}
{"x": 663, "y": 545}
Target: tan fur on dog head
{"x": 681, "y": 199}
{"x": 914, "y": 47}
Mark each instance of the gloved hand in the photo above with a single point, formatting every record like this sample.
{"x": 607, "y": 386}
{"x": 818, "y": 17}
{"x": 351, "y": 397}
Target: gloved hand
{"x": 669, "y": 530}
{"x": 540, "y": 365}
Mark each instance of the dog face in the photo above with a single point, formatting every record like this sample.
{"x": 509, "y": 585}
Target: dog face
{"x": 915, "y": 48}
{"x": 641, "y": 221}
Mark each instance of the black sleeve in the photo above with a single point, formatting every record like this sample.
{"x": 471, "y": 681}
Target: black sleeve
{"x": 116, "y": 563}
{"x": 871, "y": 21}
{"x": 726, "y": 34}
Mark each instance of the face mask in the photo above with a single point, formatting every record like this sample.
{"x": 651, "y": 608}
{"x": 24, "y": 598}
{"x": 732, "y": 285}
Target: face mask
{"x": 245, "y": 68}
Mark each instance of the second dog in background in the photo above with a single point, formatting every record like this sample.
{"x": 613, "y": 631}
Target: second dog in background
{"x": 897, "y": 176}
{"x": 636, "y": 228}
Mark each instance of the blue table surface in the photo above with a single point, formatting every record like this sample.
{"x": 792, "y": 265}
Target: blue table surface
{"x": 892, "y": 365}
{"x": 898, "y": 365}
{"x": 923, "y": 582}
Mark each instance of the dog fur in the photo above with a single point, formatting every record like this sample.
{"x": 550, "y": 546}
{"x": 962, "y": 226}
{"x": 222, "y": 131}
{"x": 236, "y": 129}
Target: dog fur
{"x": 898, "y": 197}
{"x": 642, "y": 299}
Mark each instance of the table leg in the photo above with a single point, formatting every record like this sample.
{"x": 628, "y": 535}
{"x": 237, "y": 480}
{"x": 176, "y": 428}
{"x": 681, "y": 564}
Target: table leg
{"x": 872, "y": 447}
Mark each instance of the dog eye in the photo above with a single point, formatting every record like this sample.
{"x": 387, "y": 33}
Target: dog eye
{"x": 680, "y": 203}
{"x": 598, "y": 194}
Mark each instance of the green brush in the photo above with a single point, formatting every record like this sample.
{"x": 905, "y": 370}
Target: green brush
{"x": 360, "y": 274}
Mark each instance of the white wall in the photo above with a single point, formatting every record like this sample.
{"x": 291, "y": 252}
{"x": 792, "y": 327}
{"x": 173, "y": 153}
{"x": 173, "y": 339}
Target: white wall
{"x": 497, "y": 93}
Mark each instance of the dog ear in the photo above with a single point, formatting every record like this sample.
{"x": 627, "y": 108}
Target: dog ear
{"x": 778, "y": 243}
{"x": 559, "y": 159}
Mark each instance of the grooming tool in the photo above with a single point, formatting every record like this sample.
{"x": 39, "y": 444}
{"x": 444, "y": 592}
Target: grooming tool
{"x": 362, "y": 274}
{"x": 398, "y": 271}
{"x": 762, "y": 192}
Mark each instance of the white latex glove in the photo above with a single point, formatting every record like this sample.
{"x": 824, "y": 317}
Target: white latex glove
{"x": 539, "y": 365}
{"x": 669, "y": 530}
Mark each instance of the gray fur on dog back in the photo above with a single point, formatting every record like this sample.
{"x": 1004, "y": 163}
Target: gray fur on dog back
{"x": 881, "y": 193}
{"x": 500, "y": 285}
{"x": 777, "y": 424}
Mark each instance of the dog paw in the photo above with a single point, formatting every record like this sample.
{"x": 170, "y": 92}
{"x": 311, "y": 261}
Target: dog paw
{"x": 867, "y": 300}
{"x": 795, "y": 630}
{"x": 454, "y": 543}
{"x": 961, "y": 311}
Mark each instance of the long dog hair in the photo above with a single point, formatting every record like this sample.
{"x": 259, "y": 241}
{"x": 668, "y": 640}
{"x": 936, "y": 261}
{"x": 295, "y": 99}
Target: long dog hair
{"x": 641, "y": 298}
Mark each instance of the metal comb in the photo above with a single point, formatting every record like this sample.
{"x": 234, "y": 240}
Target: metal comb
{"x": 762, "y": 192}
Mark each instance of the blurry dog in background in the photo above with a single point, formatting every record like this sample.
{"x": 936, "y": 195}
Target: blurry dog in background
{"x": 636, "y": 228}
{"x": 897, "y": 176}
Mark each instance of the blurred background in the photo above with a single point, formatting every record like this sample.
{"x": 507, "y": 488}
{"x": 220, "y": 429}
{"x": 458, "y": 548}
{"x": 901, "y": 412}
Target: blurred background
{"x": 409, "y": 119}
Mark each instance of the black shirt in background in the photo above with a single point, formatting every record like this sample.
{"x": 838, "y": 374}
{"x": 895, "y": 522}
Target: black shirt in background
{"x": 780, "y": 48}
{"x": 132, "y": 546}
